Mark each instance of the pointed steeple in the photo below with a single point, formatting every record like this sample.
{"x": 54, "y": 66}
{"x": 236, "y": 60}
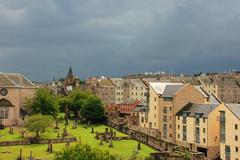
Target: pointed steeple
{"x": 70, "y": 73}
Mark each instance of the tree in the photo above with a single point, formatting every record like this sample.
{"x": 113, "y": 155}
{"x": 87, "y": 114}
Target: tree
{"x": 83, "y": 152}
{"x": 43, "y": 102}
{"x": 38, "y": 123}
{"x": 92, "y": 110}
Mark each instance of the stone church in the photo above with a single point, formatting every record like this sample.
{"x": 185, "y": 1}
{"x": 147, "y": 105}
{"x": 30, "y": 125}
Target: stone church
{"x": 14, "y": 89}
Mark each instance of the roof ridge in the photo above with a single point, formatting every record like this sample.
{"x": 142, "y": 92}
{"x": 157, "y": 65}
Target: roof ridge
{"x": 11, "y": 80}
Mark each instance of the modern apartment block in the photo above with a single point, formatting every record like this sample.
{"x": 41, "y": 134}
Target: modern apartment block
{"x": 198, "y": 128}
{"x": 165, "y": 100}
{"x": 229, "y": 122}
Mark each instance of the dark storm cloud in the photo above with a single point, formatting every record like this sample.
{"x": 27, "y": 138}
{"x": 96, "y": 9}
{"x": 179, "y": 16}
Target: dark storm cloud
{"x": 112, "y": 37}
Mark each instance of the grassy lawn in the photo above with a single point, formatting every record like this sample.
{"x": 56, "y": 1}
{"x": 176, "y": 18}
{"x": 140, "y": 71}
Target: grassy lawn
{"x": 123, "y": 148}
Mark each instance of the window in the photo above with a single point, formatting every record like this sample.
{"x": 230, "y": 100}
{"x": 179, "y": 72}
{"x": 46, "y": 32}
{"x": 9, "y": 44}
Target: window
{"x": 155, "y": 124}
{"x": 236, "y": 138}
{"x": 178, "y": 136}
{"x": 170, "y": 126}
{"x": 150, "y": 124}
{"x": 178, "y": 126}
{"x": 227, "y": 152}
{"x": 204, "y": 130}
{"x": 165, "y": 118}
{"x": 236, "y": 126}
{"x": 222, "y": 127}
{"x": 197, "y": 135}
{"x": 164, "y": 110}
{"x": 197, "y": 119}
{"x": 155, "y": 99}
{"x": 155, "y": 115}
{"x": 142, "y": 119}
{"x": 155, "y": 107}
{"x": 184, "y": 131}
{"x": 165, "y": 130}
{"x": 170, "y": 108}
{"x": 204, "y": 140}
{"x": 184, "y": 120}
{"x": 170, "y": 135}
{"x": 203, "y": 120}
{"x": 236, "y": 149}
{"x": 178, "y": 117}
{"x": 4, "y": 113}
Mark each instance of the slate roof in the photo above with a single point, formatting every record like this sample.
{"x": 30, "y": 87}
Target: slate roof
{"x": 193, "y": 108}
{"x": 170, "y": 90}
{"x": 141, "y": 108}
{"x": 14, "y": 80}
{"x": 166, "y": 89}
{"x": 235, "y": 108}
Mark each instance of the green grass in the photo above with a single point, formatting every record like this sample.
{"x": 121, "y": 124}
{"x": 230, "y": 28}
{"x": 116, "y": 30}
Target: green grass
{"x": 122, "y": 148}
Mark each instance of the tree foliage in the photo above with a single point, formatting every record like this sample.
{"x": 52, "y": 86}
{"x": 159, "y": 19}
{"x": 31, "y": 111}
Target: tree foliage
{"x": 83, "y": 152}
{"x": 43, "y": 102}
{"x": 38, "y": 123}
{"x": 92, "y": 110}
{"x": 84, "y": 105}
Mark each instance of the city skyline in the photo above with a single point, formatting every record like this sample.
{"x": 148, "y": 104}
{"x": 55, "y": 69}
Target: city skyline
{"x": 41, "y": 39}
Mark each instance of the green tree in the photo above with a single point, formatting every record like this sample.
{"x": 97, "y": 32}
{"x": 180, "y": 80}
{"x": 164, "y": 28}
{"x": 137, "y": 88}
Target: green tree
{"x": 83, "y": 152}
{"x": 38, "y": 123}
{"x": 43, "y": 102}
{"x": 92, "y": 110}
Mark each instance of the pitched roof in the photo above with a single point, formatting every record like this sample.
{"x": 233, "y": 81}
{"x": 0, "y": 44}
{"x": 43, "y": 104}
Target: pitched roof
{"x": 166, "y": 89}
{"x": 14, "y": 80}
{"x": 193, "y": 108}
{"x": 170, "y": 90}
{"x": 235, "y": 108}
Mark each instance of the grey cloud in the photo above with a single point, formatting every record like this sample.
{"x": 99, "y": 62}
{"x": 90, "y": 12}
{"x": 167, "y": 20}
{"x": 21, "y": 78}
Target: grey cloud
{"x": 112, "y": 37}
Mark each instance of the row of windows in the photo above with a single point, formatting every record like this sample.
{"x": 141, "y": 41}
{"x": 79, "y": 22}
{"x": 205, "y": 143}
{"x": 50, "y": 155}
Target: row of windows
{"x": 142, "y": 94}
{"x": 136, "y": 88}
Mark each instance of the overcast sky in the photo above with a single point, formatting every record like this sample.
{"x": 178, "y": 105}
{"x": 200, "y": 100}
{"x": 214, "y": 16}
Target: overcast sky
{"x": 42, "y": 38}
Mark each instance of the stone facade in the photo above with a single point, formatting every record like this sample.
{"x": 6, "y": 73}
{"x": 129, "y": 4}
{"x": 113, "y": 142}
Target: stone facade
{"x": 14, "y": 89}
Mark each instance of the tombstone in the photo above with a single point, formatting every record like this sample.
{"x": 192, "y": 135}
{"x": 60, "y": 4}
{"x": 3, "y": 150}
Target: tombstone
{"x": 110, "y": 143}
{"x": 56, "y": 124}
{"x": 30, "y": 156}
{"x": 92, "y": 130}
{"x": 101, "y": 141}
{"x": 80, "y": 140}
{"x": 20, "y": 155}
{"x": 67, "y": 144}
{"x": 114, "y": 134}
{"x": 106, "y": 130}
{"x": 65, "y": 133}
{"x": 139, "y": 145}
{"x": 10, "y": 130}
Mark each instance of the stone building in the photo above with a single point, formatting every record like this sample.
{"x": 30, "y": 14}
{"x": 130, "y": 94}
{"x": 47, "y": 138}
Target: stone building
{"x": 198, "y": 128}
{"x": 229, "y": 123}
{"x": 226, "y": 89}
{"x": 14, "y": 89}
{"x": 103, "y": 88}
{"x": 165, "y": 100}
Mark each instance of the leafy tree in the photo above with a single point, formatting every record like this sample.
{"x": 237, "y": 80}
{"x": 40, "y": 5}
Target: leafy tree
{"x": 92, "y": 110}
{"x": 38, "y": 123}
{"x": 43, "y": 102}
{"x": 83, "y": 152}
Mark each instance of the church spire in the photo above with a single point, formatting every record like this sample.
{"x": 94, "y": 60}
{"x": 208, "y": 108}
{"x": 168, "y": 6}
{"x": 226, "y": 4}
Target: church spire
{"x": 70, "y": 73}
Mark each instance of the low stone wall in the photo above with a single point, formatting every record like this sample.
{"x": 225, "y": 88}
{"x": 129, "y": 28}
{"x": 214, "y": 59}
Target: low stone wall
{"x": 37, "y": 141}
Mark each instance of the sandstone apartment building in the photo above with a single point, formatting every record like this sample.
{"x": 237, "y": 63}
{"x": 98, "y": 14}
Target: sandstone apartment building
{"x": 197, "y": 128}
{"x": 165, "y": 100}
{"x": 229, "y": 122}
{"x": 14, "y": 89}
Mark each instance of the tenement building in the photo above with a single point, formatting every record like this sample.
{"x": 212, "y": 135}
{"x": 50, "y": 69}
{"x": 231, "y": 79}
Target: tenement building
{"x": 14, "y": 89}
{"x": 226, "y": 89}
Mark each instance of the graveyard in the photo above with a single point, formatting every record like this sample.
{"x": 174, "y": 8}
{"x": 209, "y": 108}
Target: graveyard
{"x": 99, "y": 136}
